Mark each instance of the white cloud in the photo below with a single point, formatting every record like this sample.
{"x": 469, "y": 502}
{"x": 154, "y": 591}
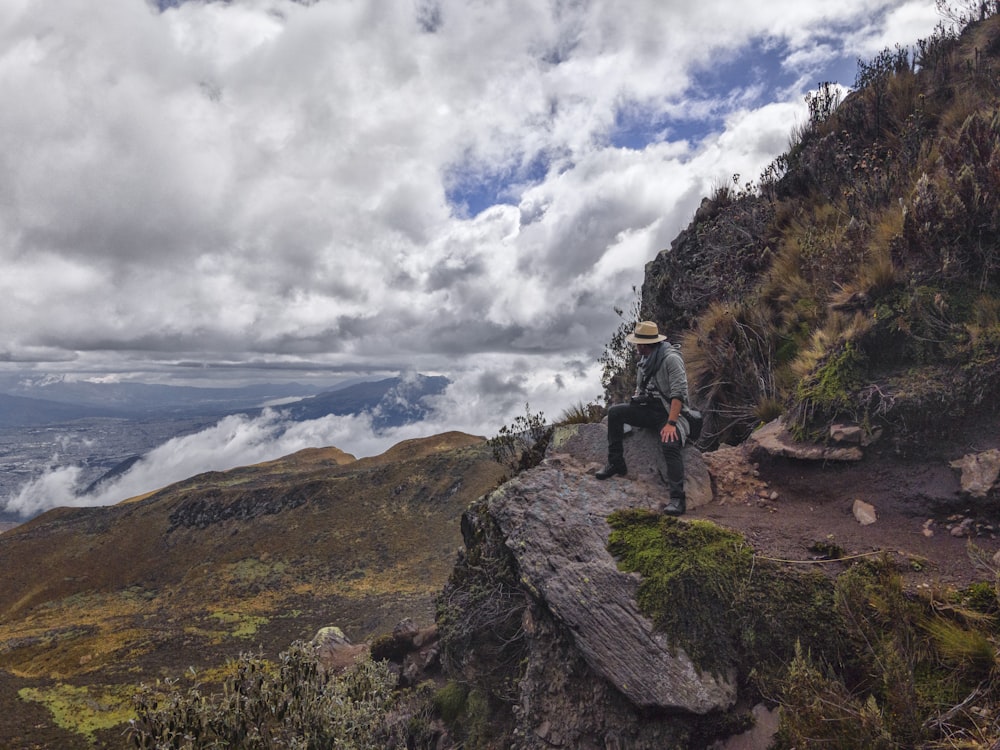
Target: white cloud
{"x": 241, "y": 440}
{"x": 268, "y": 181}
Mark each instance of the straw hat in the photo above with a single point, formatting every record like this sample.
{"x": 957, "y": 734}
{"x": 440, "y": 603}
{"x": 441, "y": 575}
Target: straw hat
{"x": 645, "y": 332}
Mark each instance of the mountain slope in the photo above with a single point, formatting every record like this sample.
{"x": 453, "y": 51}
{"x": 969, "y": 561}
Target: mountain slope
{"x": 391, "y": 402}
{"x": 18, "y": 411}
{"x": 859, "y": 278}
{"x": 232, "y": 561}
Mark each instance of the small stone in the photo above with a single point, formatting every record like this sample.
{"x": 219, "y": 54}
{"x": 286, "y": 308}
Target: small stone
{"x": 846, "y": 433}
{"x": 774, "y": 495}
{"x": 963, "y": 529}
{"x": 864, "y": 512}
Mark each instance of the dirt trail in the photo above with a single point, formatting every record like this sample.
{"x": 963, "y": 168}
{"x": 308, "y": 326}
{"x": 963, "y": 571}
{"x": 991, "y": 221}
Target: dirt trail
{"x": 917, "y": 503}
{"x": 802, "y": 511}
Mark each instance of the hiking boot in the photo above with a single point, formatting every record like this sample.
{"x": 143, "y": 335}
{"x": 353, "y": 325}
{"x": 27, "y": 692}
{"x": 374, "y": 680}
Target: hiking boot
{"x": 676, "y": 507}
{"x": 610, "y": 469}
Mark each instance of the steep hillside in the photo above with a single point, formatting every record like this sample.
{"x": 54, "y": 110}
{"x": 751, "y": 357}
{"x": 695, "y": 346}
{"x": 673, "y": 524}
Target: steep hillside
{"x": 859, "y": 277}
{"x": 96, "y": 600}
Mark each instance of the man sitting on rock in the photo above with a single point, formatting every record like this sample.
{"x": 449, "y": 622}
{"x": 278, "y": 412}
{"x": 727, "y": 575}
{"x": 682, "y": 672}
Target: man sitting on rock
{"x": 661, "y": 392}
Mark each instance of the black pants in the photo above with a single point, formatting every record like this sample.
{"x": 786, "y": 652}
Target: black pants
{"x": 652, "y": 417}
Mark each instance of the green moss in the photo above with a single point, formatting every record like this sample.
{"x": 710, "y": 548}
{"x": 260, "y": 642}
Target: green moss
{"x": 690, "y": 573}
{"x": 702, "y": 585}
{"x": 83, "y": 710}
{"x": 449, "y": 702}
{"x": 829, "y": 389}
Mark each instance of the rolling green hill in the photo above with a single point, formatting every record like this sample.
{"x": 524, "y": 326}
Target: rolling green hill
{"x": 97, "y": 600}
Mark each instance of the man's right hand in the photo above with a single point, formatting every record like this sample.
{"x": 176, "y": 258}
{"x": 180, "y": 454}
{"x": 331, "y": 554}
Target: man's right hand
{"x": 669, "y": 433}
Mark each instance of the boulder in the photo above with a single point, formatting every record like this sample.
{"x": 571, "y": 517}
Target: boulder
{"x": 334, "y": 650}
{"x": 979, "y": 472}
{"x": 553, "y": 522}
{"x": 588, "y": 445}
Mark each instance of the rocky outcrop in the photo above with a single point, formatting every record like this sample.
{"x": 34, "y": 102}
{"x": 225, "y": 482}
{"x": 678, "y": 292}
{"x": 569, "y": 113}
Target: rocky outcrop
{"x": 553, "y": 520}
{"x": 591, "y": 669}
{"x": 208, "y": 507}
{"x": 586, "y": 445}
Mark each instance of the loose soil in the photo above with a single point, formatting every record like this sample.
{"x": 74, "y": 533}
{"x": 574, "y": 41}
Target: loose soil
{"x": 802, "y": 511}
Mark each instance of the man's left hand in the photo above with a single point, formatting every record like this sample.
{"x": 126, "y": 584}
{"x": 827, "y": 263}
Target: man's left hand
{"x": 669, "y": 433}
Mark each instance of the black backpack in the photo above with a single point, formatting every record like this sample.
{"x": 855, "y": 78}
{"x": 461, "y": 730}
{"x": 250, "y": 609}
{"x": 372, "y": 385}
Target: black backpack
{"x": 695, "y": 420}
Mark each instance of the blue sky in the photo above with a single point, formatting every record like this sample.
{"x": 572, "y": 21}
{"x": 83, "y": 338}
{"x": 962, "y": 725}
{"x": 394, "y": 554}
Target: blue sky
{"x": 346, "y": 187}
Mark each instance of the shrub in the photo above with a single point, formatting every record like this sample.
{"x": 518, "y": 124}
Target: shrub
{"x": 293, "y": 703}
{"x": 522, "y": 444}
{"x": 619, "y": 359}
{"x": 581, "y": 413}
{"x": 449, "y": 701}
{"x": 819, "y": 711}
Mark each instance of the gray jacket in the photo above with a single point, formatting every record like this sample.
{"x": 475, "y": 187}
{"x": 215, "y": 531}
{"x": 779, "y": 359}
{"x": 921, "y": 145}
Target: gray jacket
{"x": 667, "y": 380}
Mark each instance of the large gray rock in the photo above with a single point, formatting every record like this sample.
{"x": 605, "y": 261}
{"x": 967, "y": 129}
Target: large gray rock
{"x": 588, "y": 446}
{"x": 553, "y": 521}
{"x": 979, "y": 472}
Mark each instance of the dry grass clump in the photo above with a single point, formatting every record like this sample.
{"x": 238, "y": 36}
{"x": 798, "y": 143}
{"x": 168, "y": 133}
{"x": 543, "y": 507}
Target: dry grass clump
{"x": 730, "y": 365}
{"x": 921, "y": 672}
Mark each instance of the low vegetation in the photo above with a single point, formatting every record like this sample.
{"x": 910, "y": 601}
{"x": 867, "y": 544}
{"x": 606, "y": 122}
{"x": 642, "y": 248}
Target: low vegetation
{"x": 521, "y": 444}
{"x": 288, "y": 704}
{"x": 739, "y": 609}
{"x": 853, "y": 660}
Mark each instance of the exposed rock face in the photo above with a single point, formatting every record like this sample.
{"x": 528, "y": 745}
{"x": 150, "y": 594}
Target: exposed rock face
{"x": 594, "y": 672}
{"x": 204, "y": 509}
{"x": 553, "y": 520}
